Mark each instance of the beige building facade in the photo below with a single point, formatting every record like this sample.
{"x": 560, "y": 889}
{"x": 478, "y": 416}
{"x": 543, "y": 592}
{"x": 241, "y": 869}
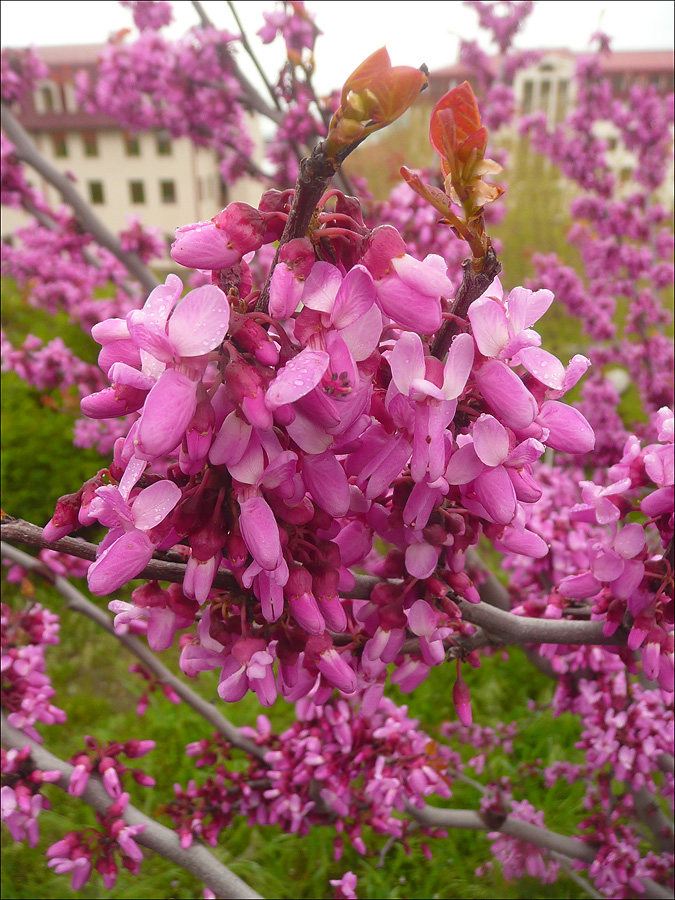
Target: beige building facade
{"x": 162, "y": 181}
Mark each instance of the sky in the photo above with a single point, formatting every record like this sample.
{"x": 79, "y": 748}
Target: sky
{"x": 414, "y": 33}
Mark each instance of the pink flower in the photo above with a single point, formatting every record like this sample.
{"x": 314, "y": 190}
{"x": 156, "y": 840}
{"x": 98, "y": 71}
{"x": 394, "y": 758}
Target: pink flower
{"x": 432, "y": 391}
{"x": 345, "y": 887}
{"x": 249, "y": 667}
{"x": 223, "y": 241}
{"x": 127, "y": 548}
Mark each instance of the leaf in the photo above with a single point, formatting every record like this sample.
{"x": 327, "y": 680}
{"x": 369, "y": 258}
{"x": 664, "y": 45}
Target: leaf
{"x": 461, "y": 103}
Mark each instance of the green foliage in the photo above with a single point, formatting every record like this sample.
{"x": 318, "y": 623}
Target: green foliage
{"x": 39, "y": 462}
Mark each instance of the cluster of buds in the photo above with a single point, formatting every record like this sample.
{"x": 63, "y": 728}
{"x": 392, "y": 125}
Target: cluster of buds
{"x": 103, "y": 761}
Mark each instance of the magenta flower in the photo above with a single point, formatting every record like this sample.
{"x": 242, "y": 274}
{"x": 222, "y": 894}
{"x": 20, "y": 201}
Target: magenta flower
{"x": 127, "y": 548}
{"x": 502, "y": 327}
{"x": 499, "y": 477}
{"x": 248, "y": 667}
{"x": 223, "y": 241}
{"x": 433, "y": 393}
{"x": 614, "y": 565}
{"x": 260, "y": 531}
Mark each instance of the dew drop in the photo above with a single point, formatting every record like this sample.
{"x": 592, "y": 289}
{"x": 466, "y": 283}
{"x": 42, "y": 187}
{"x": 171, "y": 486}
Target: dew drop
{"x": 299, "y": 382}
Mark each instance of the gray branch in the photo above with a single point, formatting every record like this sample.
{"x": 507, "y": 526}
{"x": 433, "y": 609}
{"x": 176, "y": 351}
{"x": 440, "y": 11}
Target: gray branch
{"x": 78, "y": 602}
{"x": 500, "y": 627}
{"x": 525, "y": 831}
{"x": 163, "y": 841}
{"x": 26, "y": 151}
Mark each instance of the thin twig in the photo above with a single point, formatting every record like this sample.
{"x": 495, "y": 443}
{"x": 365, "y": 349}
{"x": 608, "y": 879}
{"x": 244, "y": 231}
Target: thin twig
{"x": 576, "y": 877}
{"x": 77, "y": 602}
{"x": 247, "y": 47}
{"x": 27, "y": 152}
{"x": 163, "y": 841}
{"x": 253, "y": 98}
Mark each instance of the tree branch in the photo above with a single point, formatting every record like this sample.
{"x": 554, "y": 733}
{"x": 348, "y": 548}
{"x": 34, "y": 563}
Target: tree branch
{"x": 78, "y": 602}
{"x": 159, "y": 569}
{"x": 652, "y": 816}
{"x": 26, "y": 151}
{"x": 314, "y": 177}
{"x": 474, "y": 283}
{"x": 500, "y": 627}
{"x": 524, "y": 831}
{"x": 156, "y": 837}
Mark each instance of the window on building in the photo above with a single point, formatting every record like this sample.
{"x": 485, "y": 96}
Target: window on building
{"x": 137, "y": 191}
{"x": 96, "y": 195}
{"x": 528, "y": 96}
{"x": 132, "y": 145}
{"x": 90, "y": 143}
{"x": 59, "y": 145}
{"x": 167, "y": 190}
{"x": 561, "y": 100}
{"x": 618, "y": 82}
{"x": 163, "y": 144}
{"x": 47, "y": 99}
{"x": 544, "y": 95}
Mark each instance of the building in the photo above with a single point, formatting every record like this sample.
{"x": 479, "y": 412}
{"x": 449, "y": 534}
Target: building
{"x": 165, "y": 182}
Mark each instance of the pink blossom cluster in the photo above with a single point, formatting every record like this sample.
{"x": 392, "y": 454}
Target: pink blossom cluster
{"x": 26, "y": 688}
{"x": 626, "y": 247}
{"x": 627, "y": 731}
{"x": 20, "y": 799}
{"x": 503, "y": 19}
{"x": 518, "y": 857}
{"x": 19, "y": 72}
{"x": 186, "y": 88}
{"x": 300, "y": 435}
{"x": 102, "y": 760}
{"x": 146, "y": 243}
{"x": 49, "y": 367}
{"x": 481, "y": 738}
{"x": 295, "y": 24}
{"x": 101, "y": 850}
{"x": 613, "y": 561}
{"x": 14, "y": 189}
{"x": 149, "y": 14}
{"x": 335, "y": 766}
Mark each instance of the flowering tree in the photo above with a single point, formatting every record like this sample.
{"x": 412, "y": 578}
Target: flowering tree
{"x": 320, "y": 451}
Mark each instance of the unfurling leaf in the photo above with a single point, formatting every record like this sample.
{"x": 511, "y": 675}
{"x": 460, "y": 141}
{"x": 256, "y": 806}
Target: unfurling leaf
{"x": 373, "y": 96}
